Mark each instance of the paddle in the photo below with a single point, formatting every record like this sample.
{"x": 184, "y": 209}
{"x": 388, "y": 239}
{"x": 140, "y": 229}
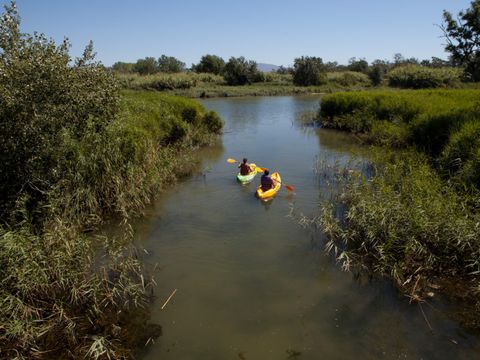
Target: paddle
{"x": 259, "y": 169}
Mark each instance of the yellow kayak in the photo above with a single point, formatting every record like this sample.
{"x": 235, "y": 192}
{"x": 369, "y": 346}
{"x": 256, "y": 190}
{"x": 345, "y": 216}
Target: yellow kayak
{"x": 272, "y": 192}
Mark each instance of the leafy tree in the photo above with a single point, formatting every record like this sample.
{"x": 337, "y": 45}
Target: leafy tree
{"x": 170, "y": 64}
{"x": 47, "y": 100}
{"x": 436, "y": 62}
{"x": 463, "y": 39}
{"x": 239, "y": 71}
{"x": 360, "y": 65}
{"x": 146, "y": 66}
{"x": 399, "y": 60}
{"x": 284, "y": 70}
{"x": 123, "y": 67}
{"x": 331, "y": 66}
{"x": 377, "y": 71}
{"x": 210, "y": 64}
{"x": 309, "y": 71}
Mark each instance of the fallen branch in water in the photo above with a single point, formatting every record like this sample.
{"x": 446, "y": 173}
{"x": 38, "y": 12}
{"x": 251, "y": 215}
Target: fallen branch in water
{"x": 171, "y": 295}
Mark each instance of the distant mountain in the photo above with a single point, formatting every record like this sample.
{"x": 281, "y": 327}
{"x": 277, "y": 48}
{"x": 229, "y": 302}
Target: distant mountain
{"x": 267, "y": 67}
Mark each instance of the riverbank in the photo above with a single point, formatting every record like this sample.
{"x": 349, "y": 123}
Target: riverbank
{"x": 415, "y": 216}
{"x": 195, "y": 85}
{"x": 63, "y": 292}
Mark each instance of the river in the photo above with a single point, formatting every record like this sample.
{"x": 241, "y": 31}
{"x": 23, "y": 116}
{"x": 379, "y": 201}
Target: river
{"x": 252, "y": 283}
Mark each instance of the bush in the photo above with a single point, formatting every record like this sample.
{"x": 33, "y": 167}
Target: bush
{"x": 239, "y": 71}
{"x": 309, "y": 71}
{"x": 210, "y": 64}
{"x": 44, "y": 102}
{"x": 419, "y": 77}
{"x": 404, "y": 222}
{"x": 437, "y": 122}
{"x": 348, "y": 78}
{"x": 213, "y": 122}
{"x": 461, "y": 155}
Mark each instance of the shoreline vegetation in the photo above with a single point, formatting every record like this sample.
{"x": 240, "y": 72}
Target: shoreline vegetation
{"x": 415, "y": 215}
{"x": 76, "y": 151}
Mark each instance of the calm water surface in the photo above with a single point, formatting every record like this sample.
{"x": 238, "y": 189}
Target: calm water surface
{"x": 254, "y": 285}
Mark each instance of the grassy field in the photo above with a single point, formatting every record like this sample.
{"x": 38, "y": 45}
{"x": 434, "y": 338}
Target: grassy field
{"x": 64, "y": 292}
{"x": 415, "y": 215}
{"x": 195, "y": 85}
{"x": 442, "y": 123}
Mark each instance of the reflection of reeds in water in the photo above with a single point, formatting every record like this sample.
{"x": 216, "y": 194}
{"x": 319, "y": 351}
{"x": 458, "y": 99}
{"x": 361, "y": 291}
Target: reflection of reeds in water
{"x": 395, "y": 216}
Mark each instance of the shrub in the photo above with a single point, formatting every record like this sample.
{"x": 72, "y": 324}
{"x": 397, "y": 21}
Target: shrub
{"x": 309, "y": 71}
{"x": 210, "y": 64}
{"x": 404, "y": 222}
{"x": 419, "y": 77}
{"x": 437, "y": 122}
{"x": 45, "y": 101}
{"x": 239, "y": 71}
{"x": 461, "y": 155}
{"x": 348, "y": 78}
{"x": 213, "y": 122}
{"x": 169, "y": 64}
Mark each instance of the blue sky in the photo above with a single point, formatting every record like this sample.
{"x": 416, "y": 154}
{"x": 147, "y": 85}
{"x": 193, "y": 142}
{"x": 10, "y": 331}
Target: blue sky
{"x": 263, "y": 30}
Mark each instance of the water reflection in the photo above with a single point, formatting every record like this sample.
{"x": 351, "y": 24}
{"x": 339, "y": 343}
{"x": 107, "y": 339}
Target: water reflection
{"x": 251, "y": 282}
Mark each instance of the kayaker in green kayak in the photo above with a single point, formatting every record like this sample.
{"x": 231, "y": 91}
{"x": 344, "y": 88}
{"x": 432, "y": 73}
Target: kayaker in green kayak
{"x": 245, "y": 168}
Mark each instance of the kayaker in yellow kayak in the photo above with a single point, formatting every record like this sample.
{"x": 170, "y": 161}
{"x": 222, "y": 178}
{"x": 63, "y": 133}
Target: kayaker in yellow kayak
{"x": 266, "y": 181}
{"x": 245, "y": 168}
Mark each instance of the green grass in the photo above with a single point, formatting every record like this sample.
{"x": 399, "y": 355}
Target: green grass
{"x": 195, "y": 85}
{"x": 416, "y": 216}
{"x": 431, "y": 120}
{"x": 68, "y": 295}
{"x": 404, "y": 221}
{"x": 421, "y": 77}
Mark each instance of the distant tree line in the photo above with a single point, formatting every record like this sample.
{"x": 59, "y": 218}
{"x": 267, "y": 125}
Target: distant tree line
{"x": 306, "y": 70}
{"x": 237, "y": 71}
{"x": 463, "y": 43}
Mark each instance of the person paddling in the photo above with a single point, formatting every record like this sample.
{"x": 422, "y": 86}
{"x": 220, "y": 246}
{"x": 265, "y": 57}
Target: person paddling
{"x": 245, "y": 168}
{"x": 266, "y": 181}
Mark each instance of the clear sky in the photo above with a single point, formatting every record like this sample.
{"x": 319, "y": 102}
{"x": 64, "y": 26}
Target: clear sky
{"x": 267, "y": 31}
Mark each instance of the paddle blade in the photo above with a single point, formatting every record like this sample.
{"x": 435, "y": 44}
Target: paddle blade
{"x": 259, "y": 169}
{"x": 289, "y": 187}
{"x": 231, "y": 161}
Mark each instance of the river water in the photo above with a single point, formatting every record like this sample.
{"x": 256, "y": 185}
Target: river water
{"x": 251, "y": 283}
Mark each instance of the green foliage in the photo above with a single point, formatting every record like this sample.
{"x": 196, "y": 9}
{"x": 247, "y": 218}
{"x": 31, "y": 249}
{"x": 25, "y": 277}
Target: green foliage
{"x": 463, "y": 39}
{"x": 146, "y": 66}
{"x": 419, "y": 77}
{"x": 213, "y": 122}
{"x": 170, "y": 64}
{"x": 436, "y": 122}
{"x": 210, "y": 64}
{"x": 376, "y": 74}
{"x": 123, "y": 67}
{"x": 239, "y": 71}
{"x": 404, "y": 222}
{"x": 74, "y": 152}
{"x": 461, "y": 156}
{"x": 347, "y": 78}
{"x": 45, "y": 101}
{"x": 56, "y": 300}
{"x": 360, "y": 65}
{"x": 309, "y": 71}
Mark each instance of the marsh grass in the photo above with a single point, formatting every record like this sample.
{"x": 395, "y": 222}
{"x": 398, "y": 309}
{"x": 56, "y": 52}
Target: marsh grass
{"x": 441, "y": 123}
{"x": 199, "y": 85}
{"x": 394, "y": 216}
{"x": 57, "y": 302}
{"x": 66, "y": 295}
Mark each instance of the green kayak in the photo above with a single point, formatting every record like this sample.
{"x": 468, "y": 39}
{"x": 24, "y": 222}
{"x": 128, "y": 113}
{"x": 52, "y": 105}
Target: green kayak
{"x": 245, "y": 179}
